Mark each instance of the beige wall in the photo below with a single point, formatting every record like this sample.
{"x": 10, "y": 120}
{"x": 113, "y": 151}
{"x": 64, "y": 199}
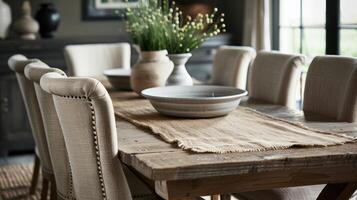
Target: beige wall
{"x": 71, "y": 22}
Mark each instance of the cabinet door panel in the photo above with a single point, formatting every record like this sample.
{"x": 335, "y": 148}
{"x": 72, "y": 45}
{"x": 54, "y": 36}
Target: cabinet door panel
{"x": 15, "y": 132}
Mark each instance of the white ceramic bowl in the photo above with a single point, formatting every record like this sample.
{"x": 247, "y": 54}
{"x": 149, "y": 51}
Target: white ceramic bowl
{"x": 119, "y": 78}
{"x": 194, "y": 101}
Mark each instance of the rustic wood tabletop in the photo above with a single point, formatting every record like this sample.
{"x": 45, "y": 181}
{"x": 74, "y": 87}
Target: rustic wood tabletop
{"x": 177, "y": 174}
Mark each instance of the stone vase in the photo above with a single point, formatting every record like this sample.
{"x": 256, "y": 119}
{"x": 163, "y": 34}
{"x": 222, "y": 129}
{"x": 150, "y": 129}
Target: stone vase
{"x": 5, "y": 19}
{"x": 151, "y": 70}
{"x": 179, "y": 75}
{"x": 26, "y": 27}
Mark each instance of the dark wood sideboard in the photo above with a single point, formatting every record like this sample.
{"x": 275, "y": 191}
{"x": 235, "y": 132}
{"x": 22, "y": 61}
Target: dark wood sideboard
{"x": 15, "y": 133}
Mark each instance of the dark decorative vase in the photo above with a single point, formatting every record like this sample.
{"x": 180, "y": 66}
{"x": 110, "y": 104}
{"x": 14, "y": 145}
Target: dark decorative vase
{"x": 49, "y": 19}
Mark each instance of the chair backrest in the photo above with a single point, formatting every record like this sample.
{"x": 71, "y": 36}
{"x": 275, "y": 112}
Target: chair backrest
{"x": 17, "y": 63}
{"x": 274, "y": 77}
{"x": 57, "y": 149}
{"x": 231, "y": 64}
{"x": 331, "y": 88}
{"x": 93, "y": 59}
{"x": 86, "y": 116}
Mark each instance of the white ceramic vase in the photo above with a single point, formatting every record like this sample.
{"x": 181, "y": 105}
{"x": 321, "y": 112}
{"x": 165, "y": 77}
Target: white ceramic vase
{"x": 179, "y": 75}
{"x": 151, "y": 70}
{"x": 5, "y": 19}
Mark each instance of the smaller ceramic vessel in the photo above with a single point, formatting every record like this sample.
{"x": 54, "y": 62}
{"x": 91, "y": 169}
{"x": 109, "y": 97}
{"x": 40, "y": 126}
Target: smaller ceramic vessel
{"x": 26, "y": 27}
{"x": 179, "y": 75}
{"x": 119, "y": 78}
{"x": 152, "y": 70}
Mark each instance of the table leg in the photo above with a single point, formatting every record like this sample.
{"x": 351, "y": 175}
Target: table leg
{"x": 338, "y": 191}
{"x": 215, "y": 197}
{"x": 225, "y": 197}
{"x": 221, "y": 197}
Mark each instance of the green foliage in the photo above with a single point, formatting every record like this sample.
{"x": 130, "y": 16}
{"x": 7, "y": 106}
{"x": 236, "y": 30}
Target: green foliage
{"x": 147, "y": 26}
{"x": 185, "y": 34}
{"x": 154, "y": 27}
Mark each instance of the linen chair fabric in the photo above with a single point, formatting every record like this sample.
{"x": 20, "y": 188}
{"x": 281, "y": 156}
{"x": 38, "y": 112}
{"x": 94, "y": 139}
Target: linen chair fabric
{"x": 17, "y": 63}
{"x": 330, "y": 88}
{"x": 92, "y": 59}
{"x": 231, "y": 64}
{"x": 86, "y": 116}
{"x": 274, "y": 77}
{"x": 57, "y": 149}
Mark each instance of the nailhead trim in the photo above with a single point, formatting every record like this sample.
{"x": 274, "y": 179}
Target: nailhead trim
{"x": 95, "y": 141}
{"x": 71, "y": 189}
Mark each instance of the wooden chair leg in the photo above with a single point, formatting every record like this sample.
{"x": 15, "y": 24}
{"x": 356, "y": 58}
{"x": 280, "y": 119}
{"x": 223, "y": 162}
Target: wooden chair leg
{"x": 225, "y": 197}
{"x": 44, "y": 192}
{"x": 221, "y": 197}
{"x": 35, "y": 175}
{"x": 215, "y": 197}
{"x": 53, "y": 189}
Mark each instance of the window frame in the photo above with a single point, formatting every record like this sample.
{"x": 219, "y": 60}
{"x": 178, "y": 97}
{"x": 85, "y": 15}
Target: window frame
{"x": 332, "y": 27}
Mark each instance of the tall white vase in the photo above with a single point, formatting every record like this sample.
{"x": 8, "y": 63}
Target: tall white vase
{"x": 5, "y": 19}
{"x": 179, "y": 75}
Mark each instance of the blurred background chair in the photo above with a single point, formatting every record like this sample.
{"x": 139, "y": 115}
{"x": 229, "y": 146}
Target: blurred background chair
{"x": 230, "y": 66}
{"x": 331, "y": 88}
{"x": 17, "y": 63}
{"x": 92, "y": 59}
{"x": 53, "y": 130}
{"x": 274, "y": 77}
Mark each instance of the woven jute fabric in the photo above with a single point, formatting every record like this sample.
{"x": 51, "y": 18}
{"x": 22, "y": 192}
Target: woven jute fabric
{"x": 15, "y": 182}
{"x": 243, "y": 130}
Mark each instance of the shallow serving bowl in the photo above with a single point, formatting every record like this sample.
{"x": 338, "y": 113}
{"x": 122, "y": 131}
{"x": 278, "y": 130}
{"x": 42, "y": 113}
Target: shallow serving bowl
{"x": 119, "y": 78}
{"x": 194, "y": 101}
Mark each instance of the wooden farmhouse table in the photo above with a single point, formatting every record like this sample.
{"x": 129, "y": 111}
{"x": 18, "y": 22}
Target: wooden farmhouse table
{"x": 178, "y": 174}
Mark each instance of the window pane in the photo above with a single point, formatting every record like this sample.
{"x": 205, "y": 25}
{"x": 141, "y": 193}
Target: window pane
{"x": 314, "y": 42}
{"x": 289, "y": 12}
{"x": 348, "y": 12}
{"x": 348, "y": 41}
{"x": 314, "y": 13}
{"x": 290, "y": 40}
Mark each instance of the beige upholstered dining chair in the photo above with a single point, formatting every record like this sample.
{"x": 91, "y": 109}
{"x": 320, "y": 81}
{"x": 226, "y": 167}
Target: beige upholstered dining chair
{"x": 92, "y": 59}
{"x": 331, "y": 88}
{"x": 86, "y": 116}
{"x": 17, "y": 63}
{"x": 274, "y": 76}
{"x": 330, "y": 91}
{"x": 231, "y": 64}
{"x": 57, "y": 149}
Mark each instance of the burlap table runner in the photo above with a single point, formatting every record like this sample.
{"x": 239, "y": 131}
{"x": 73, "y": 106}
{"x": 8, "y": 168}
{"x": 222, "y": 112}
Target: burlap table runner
{"x": 241, "y": 131}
